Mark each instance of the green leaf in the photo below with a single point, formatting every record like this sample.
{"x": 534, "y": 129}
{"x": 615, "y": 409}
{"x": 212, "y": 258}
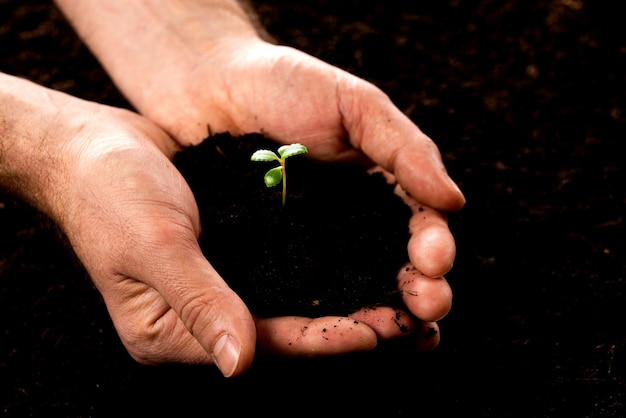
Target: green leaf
{"x": 273, "y": 176}
{"x": 264, "y": 155}
{"x": 287, "y": 151}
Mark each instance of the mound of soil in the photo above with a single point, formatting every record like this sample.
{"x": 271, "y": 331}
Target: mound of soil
{"x": 336, "y": 246}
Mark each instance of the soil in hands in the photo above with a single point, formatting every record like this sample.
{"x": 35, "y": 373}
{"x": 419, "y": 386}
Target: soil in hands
{"x": 336, "y": 246}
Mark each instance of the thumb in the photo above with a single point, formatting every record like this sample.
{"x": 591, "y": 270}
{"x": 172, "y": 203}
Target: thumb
{"x": 389, "y": 138}
{"x": 211, "y": 311}
{"x": 170, "y": 305}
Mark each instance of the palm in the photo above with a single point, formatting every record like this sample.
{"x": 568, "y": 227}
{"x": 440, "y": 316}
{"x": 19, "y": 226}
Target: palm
{"x": 292, "y": 97}
{"x": 270, "y": 91}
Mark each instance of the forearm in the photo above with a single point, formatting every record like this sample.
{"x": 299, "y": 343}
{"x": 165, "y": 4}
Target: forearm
{"x": 30, "y": 152}
{"x": 142, "y": 43}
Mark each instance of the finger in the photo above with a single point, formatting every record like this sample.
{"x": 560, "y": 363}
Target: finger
{"x": 428, "y": 298}
{"x": 300, "y": 336}
{"x": 150, "y": 329}
{"x": 431, "y": 247}
{"x": 427, "y": 336}
{"x": 162, "y": 253}
{"x": 211, "y": 311}
{"x": 386, "y": 322}
{"x": 392, "y": 140}
{"x": 182, "y": 313}
{"x": 160, "y": 249}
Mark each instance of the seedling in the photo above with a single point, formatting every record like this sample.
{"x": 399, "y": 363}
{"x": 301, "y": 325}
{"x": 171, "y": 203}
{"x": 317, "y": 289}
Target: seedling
{"x": 276, "y": 174}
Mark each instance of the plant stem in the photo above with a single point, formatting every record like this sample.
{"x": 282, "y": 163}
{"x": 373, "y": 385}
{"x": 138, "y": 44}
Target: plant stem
{"x": 282, "y": 167}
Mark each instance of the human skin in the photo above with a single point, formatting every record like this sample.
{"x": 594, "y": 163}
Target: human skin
{"x": 105, "y": 175}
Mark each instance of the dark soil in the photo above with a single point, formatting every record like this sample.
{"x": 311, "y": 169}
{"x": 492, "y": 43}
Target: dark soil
{"x": 336, "y": 246}
{"x": 525, "y": 99}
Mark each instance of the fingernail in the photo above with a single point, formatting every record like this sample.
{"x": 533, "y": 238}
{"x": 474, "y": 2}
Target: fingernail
{"x": 456, "y": 187}
{"x": 226, "y": 354}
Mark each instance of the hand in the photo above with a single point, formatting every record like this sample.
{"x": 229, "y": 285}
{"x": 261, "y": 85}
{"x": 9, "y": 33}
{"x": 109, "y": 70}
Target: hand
{"x": 343, "y": 118}
{"x": 292, "y": 97}
{"x": 101, "y": 173}
{"x": 208, "y": 68}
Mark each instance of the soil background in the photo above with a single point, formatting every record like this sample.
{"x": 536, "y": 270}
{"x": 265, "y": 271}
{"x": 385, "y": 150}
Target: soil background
{"x": 525, "y": 100}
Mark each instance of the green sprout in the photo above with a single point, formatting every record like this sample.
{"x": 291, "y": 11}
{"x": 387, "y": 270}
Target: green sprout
{"x": 276, "y": 174}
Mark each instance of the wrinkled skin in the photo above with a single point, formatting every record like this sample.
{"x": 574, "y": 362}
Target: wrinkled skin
{"x": 342, "y": 119}
{"x": 133, "y": 222}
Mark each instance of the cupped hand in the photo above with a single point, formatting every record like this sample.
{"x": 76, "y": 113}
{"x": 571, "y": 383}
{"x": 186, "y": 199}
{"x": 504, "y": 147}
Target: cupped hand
{"x": 194, "y": 68}
{"x": 133, "y": 222}
{"x": 252, "y": 86}
{"x": 249, "y": 85}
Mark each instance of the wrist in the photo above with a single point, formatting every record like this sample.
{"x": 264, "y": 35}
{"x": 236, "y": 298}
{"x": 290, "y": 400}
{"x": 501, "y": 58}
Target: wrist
{"x": 44, "y": 136}
{"x": 54, "y": 147}
{"x": 155, "y": 44}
